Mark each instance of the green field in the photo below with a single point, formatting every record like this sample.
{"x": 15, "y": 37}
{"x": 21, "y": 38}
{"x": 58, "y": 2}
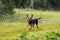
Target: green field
{"x": 14, "y": 27}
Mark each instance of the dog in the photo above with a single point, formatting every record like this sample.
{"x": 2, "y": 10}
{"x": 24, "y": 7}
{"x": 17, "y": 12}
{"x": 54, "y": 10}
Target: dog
{"x": 31, "y": 21}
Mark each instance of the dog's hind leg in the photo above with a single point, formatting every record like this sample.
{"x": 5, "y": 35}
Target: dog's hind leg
{"x": 37, "y": 23}
{"x": 37, "y": 26}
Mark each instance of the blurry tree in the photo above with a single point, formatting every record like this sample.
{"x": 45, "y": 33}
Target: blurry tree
{"x": 52, "y": 4}
{"x": 1, "y": 7}
{"x": 8, "y": 5}
{"x": 32, "y": 3}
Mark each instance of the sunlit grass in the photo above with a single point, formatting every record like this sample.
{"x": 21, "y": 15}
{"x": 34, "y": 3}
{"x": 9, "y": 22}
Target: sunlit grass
{"x": 16, "y": 24}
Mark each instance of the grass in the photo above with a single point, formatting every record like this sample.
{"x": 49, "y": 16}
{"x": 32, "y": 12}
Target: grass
{"x": 13, "y": 26}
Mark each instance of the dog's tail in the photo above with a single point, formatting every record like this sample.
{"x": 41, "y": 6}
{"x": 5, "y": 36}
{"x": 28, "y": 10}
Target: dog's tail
{"x": 39, "y": 18}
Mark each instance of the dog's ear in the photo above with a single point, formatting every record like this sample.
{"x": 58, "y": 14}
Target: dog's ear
{"x": 27, "y": 15}
{"x": 32, "y": 15}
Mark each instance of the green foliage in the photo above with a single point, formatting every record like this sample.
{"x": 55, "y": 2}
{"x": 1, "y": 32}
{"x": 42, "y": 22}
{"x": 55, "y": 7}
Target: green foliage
{"x": 8, "y": 6}
{"x": 53, "y": 36}
{"x": 39, "y": 35}
{"x": 39, "y": 4}
{"x": 28, "y": 36}
{"x": 1, "y": 18}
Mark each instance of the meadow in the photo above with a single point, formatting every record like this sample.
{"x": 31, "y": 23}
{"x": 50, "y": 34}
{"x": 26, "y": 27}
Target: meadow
{"x": 14, "y": 27}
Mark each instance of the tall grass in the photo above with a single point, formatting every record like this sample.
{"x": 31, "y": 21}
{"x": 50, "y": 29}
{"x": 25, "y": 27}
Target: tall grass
{"x": 14, "y": 27}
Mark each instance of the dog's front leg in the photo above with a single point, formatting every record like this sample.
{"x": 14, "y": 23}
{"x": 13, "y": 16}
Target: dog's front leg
{"x": 27, "y": 24}
{"x": 31, "y": 26}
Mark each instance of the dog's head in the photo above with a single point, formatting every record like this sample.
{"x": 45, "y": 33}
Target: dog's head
{"x": 29, "y": 16}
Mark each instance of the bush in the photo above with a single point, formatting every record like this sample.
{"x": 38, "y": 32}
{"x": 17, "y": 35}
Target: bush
{"x": 39, "y": 36}
{"x": 53, "y": 36}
